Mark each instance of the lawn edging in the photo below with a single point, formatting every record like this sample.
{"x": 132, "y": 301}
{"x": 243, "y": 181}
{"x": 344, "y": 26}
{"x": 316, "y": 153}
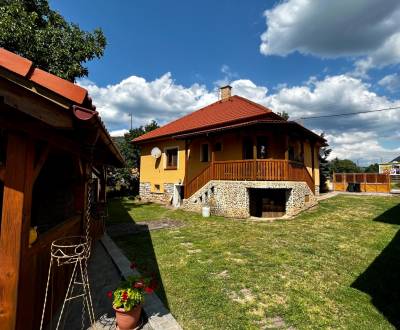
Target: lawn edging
{"x": 159, "y": 317}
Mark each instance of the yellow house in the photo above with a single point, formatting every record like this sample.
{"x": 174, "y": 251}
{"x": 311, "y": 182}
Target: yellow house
{"x": 234, "y": 155}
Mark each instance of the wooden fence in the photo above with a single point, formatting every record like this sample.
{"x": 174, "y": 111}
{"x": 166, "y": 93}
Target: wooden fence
{"x": 362, "y": 182}
{"x": 250, "y": 170}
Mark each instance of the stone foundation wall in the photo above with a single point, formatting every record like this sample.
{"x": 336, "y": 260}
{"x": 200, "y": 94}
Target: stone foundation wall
{"x": 231, "y": 198}
{"x": 147, "y": 195}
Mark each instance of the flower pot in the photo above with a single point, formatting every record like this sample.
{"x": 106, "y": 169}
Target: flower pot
{"x": 128, "y": 320}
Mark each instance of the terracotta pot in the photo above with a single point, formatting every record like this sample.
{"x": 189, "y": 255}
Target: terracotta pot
{"x": 128, "y": 320}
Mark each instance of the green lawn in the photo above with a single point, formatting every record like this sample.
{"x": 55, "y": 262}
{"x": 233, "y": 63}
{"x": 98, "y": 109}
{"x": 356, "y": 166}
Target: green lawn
{"x": 336, "y": 266}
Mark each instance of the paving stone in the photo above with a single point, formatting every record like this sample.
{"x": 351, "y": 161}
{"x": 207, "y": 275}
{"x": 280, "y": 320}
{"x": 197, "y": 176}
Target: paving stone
{"x": 158, "y": 317}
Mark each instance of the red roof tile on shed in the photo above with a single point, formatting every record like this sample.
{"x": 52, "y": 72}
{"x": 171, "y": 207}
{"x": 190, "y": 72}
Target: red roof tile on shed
{"x": 220, "y": 113}
{"x": 22, "y": 66}
{"x": 59, "y": 86}
{"x": 14, "y": 62}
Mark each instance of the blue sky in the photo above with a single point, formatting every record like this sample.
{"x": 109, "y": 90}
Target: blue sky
{"x": 166, "y": 58}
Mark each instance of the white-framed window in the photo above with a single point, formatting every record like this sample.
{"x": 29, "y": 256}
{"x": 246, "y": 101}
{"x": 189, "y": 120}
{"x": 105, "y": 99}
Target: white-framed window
{"x": 204, "y": 152}
{"x": 171, "y": 158}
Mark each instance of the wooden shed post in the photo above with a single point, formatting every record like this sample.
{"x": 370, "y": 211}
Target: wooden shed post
{"x": 17, "y": 197}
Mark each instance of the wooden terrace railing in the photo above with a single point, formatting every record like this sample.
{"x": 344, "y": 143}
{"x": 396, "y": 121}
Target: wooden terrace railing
{"x": 250, "y": 170}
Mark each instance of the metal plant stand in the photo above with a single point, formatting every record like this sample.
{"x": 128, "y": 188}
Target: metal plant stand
{"x": 75, "y": 251}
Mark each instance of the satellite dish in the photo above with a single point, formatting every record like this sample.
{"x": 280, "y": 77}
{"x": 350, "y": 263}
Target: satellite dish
{"x": 156, "y": 152}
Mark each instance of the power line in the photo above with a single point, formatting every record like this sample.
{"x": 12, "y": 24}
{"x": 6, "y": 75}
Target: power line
{"x": 350, "y": 113}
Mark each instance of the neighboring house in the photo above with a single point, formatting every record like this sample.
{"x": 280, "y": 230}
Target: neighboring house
{"x": 392, "y": 167}
{"x": 236, "y": 155}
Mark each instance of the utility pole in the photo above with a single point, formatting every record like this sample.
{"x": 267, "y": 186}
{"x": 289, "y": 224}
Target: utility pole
{"x": 131, "y": 120}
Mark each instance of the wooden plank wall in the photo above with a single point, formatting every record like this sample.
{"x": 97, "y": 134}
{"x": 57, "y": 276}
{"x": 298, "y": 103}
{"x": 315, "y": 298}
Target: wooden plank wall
{"x": 369, "y": 182}
{"x": 18, "y": 180}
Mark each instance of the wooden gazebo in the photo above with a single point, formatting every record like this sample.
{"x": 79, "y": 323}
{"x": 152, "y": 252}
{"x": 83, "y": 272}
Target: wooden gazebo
{"x": 52, "y": 143}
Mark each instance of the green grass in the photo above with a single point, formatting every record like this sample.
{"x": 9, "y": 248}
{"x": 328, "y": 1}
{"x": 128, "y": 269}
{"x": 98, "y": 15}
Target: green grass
{"x": 336, "y": 266}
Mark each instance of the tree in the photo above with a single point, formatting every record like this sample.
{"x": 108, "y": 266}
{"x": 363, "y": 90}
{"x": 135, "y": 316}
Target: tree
{"x": 31, "y": 29}
{"x": 283, "y": 114}
{"x": 324, "y": 169}
{"x": 373, "y": 168}
{"x": 344, "y": 166}
{"x": 128, "y": 177}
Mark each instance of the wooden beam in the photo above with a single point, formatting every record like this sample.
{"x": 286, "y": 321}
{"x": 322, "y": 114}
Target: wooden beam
{"x": 35, "y": 106}
{"x": 38, "y": 131}
{"x": 313, "y": 160}
{"x": 286, "y": 145}
{"x": 2, "y": 173}
{"x": 254, "y": 138}
{"x": 16, "y": 206}
{"x": 42, "y": 159}
{"x": 96, "y": 172}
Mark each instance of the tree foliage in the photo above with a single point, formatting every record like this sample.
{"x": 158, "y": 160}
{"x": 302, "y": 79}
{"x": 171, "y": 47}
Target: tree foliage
{"x": 127, "y": 178}
{"x": 344, "y": 166}
{"x": 372, "y": 168}
{"x": 324, "y": 169}
{"x": 283, "y": 114}
{"x": 33, "y": 30}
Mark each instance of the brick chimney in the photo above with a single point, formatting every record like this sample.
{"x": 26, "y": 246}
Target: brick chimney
{"x": 225, "y": 92}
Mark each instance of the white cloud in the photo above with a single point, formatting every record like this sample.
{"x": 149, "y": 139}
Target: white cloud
{"x": 161, "y": 99}
{"x": 248, "y": 89}
{"x": 119, "y": 132}
{"x": 335, "y": 95}
{"x": 359, "y": 28}
{"x": 362, "y": 147}
{"x": 357, "y": 137}
{"x": 391, "y": 82}
{"x": 228, "y": 76}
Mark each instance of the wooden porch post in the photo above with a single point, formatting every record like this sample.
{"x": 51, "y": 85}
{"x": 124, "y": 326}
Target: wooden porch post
{"x": 185, "y": 177}
{"x": 312, "y": 160}
{"x": 17, "y": 197}
{"x": 286, "y": 145}
{"x": 254, "y": 164}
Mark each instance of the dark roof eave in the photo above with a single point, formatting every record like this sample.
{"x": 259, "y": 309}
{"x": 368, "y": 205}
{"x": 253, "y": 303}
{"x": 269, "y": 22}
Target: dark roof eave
{"x": 88, "y": 115}
{"x": 249, "y": 123}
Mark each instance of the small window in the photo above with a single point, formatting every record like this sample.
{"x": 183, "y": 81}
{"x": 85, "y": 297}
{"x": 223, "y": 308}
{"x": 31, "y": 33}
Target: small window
{"x": 172, "y": 158}
{"x": 156, "y": 188}
{"x": 204, "y": 157}
{"x": 218, "y": 146}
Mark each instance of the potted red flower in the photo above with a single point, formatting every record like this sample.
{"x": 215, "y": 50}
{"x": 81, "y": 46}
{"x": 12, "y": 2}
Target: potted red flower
{"x": 128, "y": 298}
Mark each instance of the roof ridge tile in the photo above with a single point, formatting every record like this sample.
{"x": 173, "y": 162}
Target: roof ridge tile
{"x": 24, "y": 67}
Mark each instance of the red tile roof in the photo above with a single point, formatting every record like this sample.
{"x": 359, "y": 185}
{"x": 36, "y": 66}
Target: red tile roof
{"x": 14, "y": 62}
{"x": 59, "y": 86}
{"x": 233, "y": 110}
{"x": 74, "y": 93}
{"x": 23, "y": 67}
